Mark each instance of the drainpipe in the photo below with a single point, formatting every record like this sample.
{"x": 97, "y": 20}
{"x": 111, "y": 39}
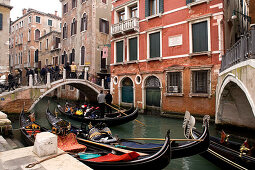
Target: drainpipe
{"x": 48, "y": 80}
{"x": 64, "y": 74}
{"x": 30, "y": 80}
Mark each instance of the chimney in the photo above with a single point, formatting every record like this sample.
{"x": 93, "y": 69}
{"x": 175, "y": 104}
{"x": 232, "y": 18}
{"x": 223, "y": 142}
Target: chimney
{"x": 56, "y": 13}
{"x": 24, "y": 11}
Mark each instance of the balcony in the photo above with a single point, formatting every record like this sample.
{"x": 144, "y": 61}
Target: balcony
{"x": 242, "y": 50}
{"x": 123, "y": 27}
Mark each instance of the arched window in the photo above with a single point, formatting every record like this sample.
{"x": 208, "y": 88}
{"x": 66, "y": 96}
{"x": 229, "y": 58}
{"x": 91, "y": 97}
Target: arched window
{"x": 37, "y": 34}
{"x": 72, "y": 56}
{"x": 65, "y": 31}
{"x": 73, "y": 27}
{"x": 127, "y": 91}
{"x": 84, "y": 22}
{"x": 64, "y": 58}
{"x": 82, "y": 56}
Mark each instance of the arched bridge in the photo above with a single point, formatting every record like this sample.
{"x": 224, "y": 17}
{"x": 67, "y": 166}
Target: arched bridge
{"x": 235, "y": 95}
{"x": 32, "y": 94}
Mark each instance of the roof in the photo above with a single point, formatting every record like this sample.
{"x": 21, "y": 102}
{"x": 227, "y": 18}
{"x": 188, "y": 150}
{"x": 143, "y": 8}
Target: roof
{"x": 7, "y": 6}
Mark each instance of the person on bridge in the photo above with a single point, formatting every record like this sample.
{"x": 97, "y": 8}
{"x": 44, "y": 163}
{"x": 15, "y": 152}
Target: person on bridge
{"x": 11, "y": 82}
{"x": 101, "y": 102}
{"x": 108, "y": 99}
{"x": 73, "y": 70}
{"x": 68, "y": 70}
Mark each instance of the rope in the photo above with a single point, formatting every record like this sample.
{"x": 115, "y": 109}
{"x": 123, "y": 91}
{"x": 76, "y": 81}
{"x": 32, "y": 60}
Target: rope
{"x": 38, "y": 162}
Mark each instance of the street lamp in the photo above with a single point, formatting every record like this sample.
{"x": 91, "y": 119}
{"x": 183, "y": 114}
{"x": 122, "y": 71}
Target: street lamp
{"x": 245, "y": 17}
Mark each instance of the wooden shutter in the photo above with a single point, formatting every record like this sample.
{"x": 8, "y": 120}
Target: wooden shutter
{"x": 188, "y": 1}
{"x": 107, "y": 27}
{"x": 155, "y": 45}
{"x": 161, "y": 6}
{"x": 1, "y": 21}
{"x": 147, "y": 8}
{"x": 100, "y": 25}
{"x": 200, "y": 37}
{"x": 119, "y": 51}
{"x": 133, "y": 49}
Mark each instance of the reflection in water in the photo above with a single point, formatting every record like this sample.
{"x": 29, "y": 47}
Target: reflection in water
{"x": 155, "y": 127}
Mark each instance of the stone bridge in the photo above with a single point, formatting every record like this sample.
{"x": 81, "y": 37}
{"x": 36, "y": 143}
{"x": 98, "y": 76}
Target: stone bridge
{"x": 235, "y": 93}
{"x": 29, "y": 96}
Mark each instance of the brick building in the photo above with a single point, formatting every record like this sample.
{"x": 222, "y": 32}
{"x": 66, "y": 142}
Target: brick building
{"x": 24, "y": 37}
{"x": 166, "y": 54}
{"x": 85, "y": 35}
{"x": 252, "y": 11}
{"x": 5, "y": 9}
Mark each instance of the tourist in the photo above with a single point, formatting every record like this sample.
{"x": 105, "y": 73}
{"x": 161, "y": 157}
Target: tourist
{"x": 68, "y": 70}
{"x": 11, "y": 82}
{"x": 108, "y": 99}
{"x": 73, "y": 70}
{"x": 43, "y": 73}
{"x": 57, "y": 70}
{"x": 101, "y": 102}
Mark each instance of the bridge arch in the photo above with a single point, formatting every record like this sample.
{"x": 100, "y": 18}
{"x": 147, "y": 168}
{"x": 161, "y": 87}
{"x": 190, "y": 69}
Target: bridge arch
{"x": 234, "y": 103}
{"x": 82, "y": 85}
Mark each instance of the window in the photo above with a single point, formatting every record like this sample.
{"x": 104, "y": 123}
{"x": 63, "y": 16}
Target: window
{"x": 133, "y": 51}
{"x": 37, "y": 35}
{"x": 119, "y": 51}
{"x": 65, "y": 31}
{"x": 72, "y": 56}
{"x": 121, "y": 15}
{"x": 71, "y": 88}
{"x": 153, "y": 7}
{"x": 133, "y": 12}
{"x": 29, "y": 35}
{"x": 104, "y": 26}
{"x": 46, "y": 61}
{"x": 38, "y": 19}
{"x": 40, "y": 46}
{"x": 104, "y": 1}
{"x": 84, "y": 22}
{"x": 36, "y": 56}
{"x": 49, "y": 22}
{"x": 154, "y": 45}
{"x": 64, "y": 57}
{"x": 174, "y": 82}
{"x": 82, "y": 56}
{"x": 83, "y": 1}
{"x": 200, "y": 37}
{"x": 200, "y": 81}
{"x": 73, "y": 27}
{"x": 29, "y": 19}
{"x": 1, "y": 21}
{"x": 65, "y": 8}
{"x": 74, "y": 3}
{"x": 29, "y": 57}
{"x": 47, "y": 44}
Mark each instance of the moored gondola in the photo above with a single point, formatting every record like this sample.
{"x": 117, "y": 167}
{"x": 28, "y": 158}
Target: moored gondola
{"x": 130, "y": 115}
{"x": 29, "y": 128}
{"x": 157, "y": 160}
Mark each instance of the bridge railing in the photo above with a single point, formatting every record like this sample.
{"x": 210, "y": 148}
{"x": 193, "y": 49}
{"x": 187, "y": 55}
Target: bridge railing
{"x": 242, "y": 50}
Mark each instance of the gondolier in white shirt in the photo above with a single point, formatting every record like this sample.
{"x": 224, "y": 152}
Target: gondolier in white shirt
{"x": 101, "y": 102}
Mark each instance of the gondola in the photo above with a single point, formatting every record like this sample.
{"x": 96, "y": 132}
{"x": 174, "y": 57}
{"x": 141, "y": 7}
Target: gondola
{"x": 131, "y": 114}
{"x": 157, "y": 160}
{"x": 227, "y": 155}
{"x": 29, "y": 129}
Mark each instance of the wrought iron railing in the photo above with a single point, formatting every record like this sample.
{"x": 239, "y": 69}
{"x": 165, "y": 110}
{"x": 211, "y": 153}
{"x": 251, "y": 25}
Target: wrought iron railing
{"x": 242, "y": 50}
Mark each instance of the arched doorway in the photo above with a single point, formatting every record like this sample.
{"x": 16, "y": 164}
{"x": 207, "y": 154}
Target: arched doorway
{"x": 153, "y": 94}
{"x": 127, "y": 91}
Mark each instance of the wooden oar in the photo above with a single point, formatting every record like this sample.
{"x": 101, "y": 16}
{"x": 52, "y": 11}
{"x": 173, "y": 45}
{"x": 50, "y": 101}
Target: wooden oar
{"x": 111, "y": 147}
{"x": 118, "y": 106}
{"x": 160, "y": 139}
{"x": 124, "y": 113}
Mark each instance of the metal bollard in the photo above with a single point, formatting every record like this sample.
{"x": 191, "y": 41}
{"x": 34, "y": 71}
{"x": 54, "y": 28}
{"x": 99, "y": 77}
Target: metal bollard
{"x": 35, "y": 79}
{"x": 48, "y": 80}
{"x": 64, "y": 74}
{"x": 30, "y": 80}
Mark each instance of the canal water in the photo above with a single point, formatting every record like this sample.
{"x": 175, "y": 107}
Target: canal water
{"x": 155, "y": 127}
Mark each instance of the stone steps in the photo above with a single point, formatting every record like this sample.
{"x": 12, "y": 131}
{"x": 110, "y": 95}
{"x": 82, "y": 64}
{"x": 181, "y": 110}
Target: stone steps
{"x": 4, "y": 146}
{"x": 9, "y": 144}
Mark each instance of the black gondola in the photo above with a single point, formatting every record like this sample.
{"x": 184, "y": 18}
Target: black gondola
{"x": 227, "y": 155}
{"x": 157, "y": 160}
{"x": 131, "y": 114}
{"x": 29, "y": 129}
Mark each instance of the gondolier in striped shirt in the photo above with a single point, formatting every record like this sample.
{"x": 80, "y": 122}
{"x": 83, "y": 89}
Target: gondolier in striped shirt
{"x": 101, "y": 102}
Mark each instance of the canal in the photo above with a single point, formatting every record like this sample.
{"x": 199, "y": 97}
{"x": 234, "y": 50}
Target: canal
{"x": 155, "y": 127}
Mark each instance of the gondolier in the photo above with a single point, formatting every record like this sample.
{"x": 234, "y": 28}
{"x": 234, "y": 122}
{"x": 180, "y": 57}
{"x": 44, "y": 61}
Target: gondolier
{"x": 101, "y": 102}
{"x": 108, "y": 99}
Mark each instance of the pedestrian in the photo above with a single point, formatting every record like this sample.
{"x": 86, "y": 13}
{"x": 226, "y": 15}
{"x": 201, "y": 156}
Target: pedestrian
{"x": 108, "y": 100}
{"x": 57, "y": 70}
{"x": 73, "y": 70}
{"x": 43, "y": 73}
{"x": 68, "y": 70}
{"x": 11, "y": 82}
{"x": 101, "y": 102}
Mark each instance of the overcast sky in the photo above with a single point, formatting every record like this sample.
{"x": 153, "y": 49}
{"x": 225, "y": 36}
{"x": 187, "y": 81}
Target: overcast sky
{"x": 47, "y": 6}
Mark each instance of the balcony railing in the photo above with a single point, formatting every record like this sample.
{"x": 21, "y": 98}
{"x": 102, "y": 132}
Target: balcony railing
{"x": 131, "y": 24}
{"x": 242, "y": 50}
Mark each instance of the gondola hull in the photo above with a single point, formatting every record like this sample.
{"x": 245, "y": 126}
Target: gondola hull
{"x": 109, "y": 121}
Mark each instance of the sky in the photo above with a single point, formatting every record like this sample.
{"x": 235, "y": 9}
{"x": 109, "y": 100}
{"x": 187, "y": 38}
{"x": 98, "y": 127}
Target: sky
{"x": 47, "y": 6}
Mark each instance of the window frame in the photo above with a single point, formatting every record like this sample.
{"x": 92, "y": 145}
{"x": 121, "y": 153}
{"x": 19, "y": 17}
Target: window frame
{"x": 128, "y": 55}
{"x": 107, "y": 25}
{"x": 148, "y": 44}
{"x": 195, "y": 21}
{"x": 51, "y": 22}
{"x": 65, "y": 8}
{"x": 84, "y": 56}
{"x": 39, "y": 19}
{"x": 84, "y": 23}
{"x": 115, "y": 51}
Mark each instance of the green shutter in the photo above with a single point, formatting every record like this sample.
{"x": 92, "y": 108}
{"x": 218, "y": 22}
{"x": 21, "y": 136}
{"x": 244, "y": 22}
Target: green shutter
{"x": 133, "y": 49}
{"x": 147, "y": 8}
{"x": 200, "y": 37}
{"x": 188, "y": 1}
{"x": 155, "y": 45}
{"x": 119, "y": 51}
{"x": 1, "y": 21}
{"x": 161, "y": 6}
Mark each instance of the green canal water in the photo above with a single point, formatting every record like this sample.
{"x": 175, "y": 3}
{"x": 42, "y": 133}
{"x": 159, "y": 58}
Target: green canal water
{"x": 155, "y": 127}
